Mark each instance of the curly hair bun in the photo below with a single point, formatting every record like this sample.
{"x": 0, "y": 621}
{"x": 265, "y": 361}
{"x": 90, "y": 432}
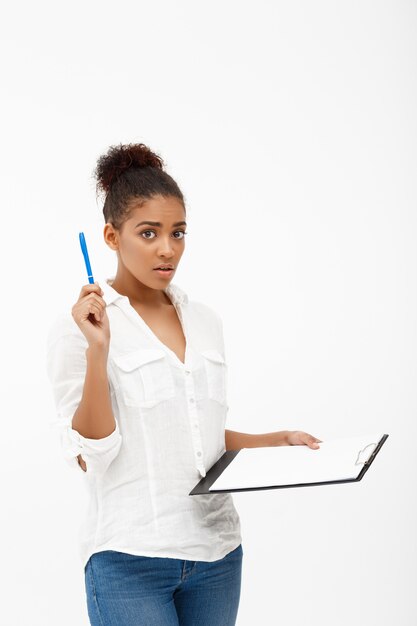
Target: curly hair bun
{"x": 120, "y": 158}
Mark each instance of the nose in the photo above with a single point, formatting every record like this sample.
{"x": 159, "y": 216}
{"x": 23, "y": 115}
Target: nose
{"x": 165, "y": 248}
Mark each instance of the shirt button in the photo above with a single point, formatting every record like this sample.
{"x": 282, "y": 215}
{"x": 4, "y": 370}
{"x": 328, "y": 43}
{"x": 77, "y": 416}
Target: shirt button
{"x": 192, "y": 400}
{"x": 198, "y": 453}
{"x": 195, "y": 425}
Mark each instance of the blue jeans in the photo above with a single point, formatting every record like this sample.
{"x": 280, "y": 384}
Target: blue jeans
{"x": 127, "y": 590}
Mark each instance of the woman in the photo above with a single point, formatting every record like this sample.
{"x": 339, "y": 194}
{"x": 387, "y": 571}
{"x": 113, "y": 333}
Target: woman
{"x": 139, "y": 378}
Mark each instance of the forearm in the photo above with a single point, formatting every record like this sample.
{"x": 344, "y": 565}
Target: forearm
{"x": 94, "y": 417}
{"x": 237, "y": 441}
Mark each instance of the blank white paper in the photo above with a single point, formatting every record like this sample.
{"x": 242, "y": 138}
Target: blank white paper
{"x": 292, "y": 465}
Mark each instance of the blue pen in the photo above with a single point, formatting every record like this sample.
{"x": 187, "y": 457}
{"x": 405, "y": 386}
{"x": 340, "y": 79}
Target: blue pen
{"x": 86, "y": 259}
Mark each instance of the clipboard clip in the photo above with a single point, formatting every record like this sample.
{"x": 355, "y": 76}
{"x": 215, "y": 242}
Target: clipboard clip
{"x": 358, "y": 462}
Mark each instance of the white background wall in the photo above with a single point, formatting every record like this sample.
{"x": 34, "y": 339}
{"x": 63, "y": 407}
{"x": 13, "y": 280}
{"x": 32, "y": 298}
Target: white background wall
{"x": 291, "y": 128}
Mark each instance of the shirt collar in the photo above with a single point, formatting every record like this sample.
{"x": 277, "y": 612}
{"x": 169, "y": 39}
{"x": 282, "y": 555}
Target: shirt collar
{"x": 174, "y": 292}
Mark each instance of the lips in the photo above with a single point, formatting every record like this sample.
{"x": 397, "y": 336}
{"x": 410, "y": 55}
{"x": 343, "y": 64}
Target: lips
{"x": 164, "y": 267}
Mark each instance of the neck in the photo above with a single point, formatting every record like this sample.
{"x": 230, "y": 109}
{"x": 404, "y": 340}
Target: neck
{"x": 137, "y": 292}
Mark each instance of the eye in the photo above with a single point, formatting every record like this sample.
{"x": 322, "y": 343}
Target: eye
{"x": 183, "y": 232}
{"x": 152, "y": 231}
{"x": 147, "y": 231}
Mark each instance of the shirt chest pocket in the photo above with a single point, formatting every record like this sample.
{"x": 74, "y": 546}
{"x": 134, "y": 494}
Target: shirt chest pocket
{"x": 144, "y": 377}
{"x": 216, "y": 374}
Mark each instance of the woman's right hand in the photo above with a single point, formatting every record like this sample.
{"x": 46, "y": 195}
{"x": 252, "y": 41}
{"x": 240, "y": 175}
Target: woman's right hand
{"x": 89, "y": 313}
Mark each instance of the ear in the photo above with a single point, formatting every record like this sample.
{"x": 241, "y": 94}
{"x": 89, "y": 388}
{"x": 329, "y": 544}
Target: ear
{"x": 111, "y": 236}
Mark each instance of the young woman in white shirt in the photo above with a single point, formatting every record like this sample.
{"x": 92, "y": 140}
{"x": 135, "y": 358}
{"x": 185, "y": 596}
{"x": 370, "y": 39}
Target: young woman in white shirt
{"x": 139, "y": 379}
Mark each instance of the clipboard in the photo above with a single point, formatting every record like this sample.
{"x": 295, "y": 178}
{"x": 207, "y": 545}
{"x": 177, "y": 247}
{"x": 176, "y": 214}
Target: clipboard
{"x": 362, "y": 457}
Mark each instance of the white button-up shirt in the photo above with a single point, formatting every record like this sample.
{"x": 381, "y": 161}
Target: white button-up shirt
{"x": 170, "y": 429}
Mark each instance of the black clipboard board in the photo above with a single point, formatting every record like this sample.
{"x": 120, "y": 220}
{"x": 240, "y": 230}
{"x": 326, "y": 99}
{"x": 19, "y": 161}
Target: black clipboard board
{"x": 203, "y": 486}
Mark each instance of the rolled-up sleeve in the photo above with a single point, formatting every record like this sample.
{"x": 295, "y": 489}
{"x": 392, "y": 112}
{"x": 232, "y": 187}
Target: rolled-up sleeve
{"x": 66, "y": 365}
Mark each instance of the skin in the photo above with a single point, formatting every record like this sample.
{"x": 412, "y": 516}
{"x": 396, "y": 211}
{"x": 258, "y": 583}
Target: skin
{"x": 139, "y": 251}
{"x": 142, "y": 248}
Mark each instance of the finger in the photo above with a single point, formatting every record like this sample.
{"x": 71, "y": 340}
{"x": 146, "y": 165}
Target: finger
{"x": 96, "y": 298}
{"x": 91, "y": 288}
{"x": 92, "y": 298}
{"x": 312, "y": 442}
{"x": 85, "y": 309}
{"x": 313, "y": 438}
{"x": 94, "y": 309}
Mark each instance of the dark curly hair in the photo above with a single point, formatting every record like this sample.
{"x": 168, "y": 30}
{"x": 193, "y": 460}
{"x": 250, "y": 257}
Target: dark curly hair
{"x": 128, "y": 174}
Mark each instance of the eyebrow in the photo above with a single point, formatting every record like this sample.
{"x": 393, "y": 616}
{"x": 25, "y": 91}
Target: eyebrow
{"x": 159, "y": 224}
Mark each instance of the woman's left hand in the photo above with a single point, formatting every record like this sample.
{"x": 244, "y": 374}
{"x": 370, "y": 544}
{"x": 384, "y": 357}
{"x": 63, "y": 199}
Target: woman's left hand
{"x": 300, "y": 438}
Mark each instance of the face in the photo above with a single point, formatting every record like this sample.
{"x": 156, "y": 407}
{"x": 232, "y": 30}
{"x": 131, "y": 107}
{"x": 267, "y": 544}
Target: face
{"x": 152, "y": 235}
